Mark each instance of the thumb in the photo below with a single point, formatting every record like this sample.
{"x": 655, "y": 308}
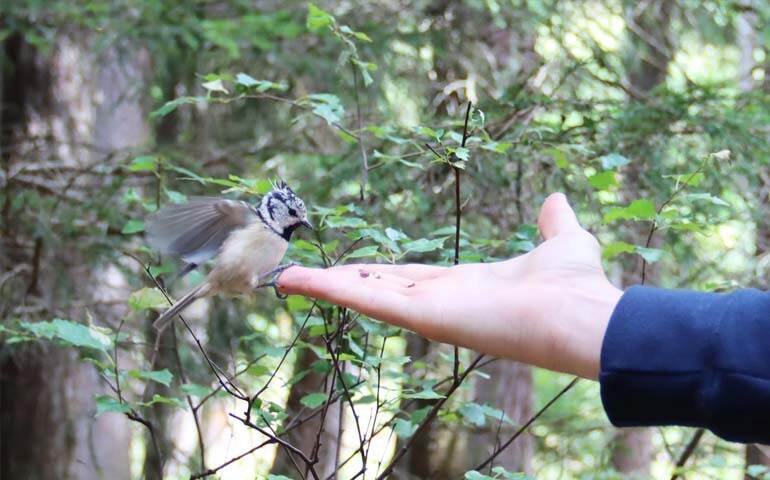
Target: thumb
{"x": 556, "y": 217}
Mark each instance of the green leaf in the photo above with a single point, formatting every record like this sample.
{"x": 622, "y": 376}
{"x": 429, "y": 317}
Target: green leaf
{"x": 474, "y": 475}
{"x": 502, "y": 473}
{"x": 424, "y": 394}
{"x": 172, "y": 105}
{"x": 297, "y": 303}
{"x": 215, "y": 86}
{"x": 160, "y": 376}
{"x": 611, "y": 250}
{"x": 246, "y": 80}
{"x": 419, "y": 415}
{"x": 364, "y": 252}
{"x": 499, "y": 147}
{"x": 642, "y": 209}
{"x": 147, "y": 298}
{"x": 614, "y": 160}
{"x": 422, "y": 245}
{"x": 81, "y": 335}
{"x": 328, "y": 113}
{"x": 176, "y": 197}
{"x": 317, "y": 18}
{"x": 651, "y": 255}
{"x": 473, "y": 413}
{"x": 559, "y": 157}
{"x": 196, "y": 390}
{"x": 404, "y": 428}
{"x": 707, "y": 197}
{"x": 107, "y": 404}
{"x": 757, "y": 470}
{"x": 637, "y": 210}
{"x": 344, "y": 222}
{"x": 690, "y": 179}
{"x": 75, "y": 334}
{"x": 163, "y": 400}
{"x": 132, "y": 226}
{"x": 462, "y": 153}
{"x": 144, "y": 163}
{"x": 313, "y": 400}
{"x": 359, "y": 35}
{"x": 603, "y": 180}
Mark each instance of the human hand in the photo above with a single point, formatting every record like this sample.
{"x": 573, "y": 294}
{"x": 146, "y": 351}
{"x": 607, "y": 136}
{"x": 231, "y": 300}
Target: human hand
{"x": 549, "y": 307}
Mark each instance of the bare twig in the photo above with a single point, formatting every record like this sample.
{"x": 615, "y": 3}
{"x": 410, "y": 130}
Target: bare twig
{"x": 527, "y": 424}
{"x": 688, "y": 451}
{"x": 428, "y": 418}
{"x": 359, "y": 120}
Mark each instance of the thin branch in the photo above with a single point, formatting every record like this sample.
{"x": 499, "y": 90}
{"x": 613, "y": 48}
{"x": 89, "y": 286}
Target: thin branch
{"x": 428, "y": 418}
{"x": 526, "y": 425}
{"x": 275, "y": 439}
{"x": 364, "y": 156}
{"x": 663, "y": 205}
{"x": 688, "y": 451}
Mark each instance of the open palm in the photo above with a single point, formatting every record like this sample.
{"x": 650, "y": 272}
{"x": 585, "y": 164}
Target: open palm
{"x": 548, "y": 307}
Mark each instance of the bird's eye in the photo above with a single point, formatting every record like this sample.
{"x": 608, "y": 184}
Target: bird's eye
{"x": 292, "y": 212}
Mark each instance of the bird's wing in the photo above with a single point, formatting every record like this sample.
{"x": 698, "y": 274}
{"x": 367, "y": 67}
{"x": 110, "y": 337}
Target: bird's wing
{"x": 196, "y": 230}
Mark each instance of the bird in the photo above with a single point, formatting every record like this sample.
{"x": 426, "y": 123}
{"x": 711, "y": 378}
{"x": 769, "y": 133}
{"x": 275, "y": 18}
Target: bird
{"x": 248, "y": 242}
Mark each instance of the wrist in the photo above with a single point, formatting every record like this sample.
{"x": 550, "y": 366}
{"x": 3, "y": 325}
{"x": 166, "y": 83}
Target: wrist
{"x": 583, "y": 325}
{"x": 592, "y": 315}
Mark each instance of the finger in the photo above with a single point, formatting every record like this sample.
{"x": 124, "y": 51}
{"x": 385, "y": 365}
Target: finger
{"x": 347, "y": 288}
{"x": 556, "y": 217}
{"x": 412, "y": 271}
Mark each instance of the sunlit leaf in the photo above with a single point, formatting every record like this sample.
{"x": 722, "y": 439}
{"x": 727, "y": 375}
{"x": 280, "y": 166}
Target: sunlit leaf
{"x": 317, "y": 18}
{"x": 474, "y": 475}
{"x": 614, "y": 160}
{"x": 642, "y": 209}
{"x": 144, "y": 163}
{"x": 473, "y": 413}
{"x": 72, "y": 333}
{"x": 611, "y": 250}
{"x": 313, "y": 400}
{"x": 603, "y": 180}
{"x": 651, "y": 255}
{"x": 147, "y": 298}
{"x": 215, "y": 86}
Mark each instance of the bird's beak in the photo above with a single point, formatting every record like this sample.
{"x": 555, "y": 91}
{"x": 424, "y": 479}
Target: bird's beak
{"x": 307, "y": 223}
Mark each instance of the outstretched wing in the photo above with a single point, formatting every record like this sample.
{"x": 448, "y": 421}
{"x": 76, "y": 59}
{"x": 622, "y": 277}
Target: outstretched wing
{"x": 195, "y": 231}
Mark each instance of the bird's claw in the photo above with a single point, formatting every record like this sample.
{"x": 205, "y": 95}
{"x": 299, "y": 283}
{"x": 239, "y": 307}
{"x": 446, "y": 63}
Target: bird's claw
{"x": 275, "y": 273}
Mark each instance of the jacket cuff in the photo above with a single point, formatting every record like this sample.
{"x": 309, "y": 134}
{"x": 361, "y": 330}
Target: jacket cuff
{"x": 689, "y": 358}
{"x": 653, "y": 356}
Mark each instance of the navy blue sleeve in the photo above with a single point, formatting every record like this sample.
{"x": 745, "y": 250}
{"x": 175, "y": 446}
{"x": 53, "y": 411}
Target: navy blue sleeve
{"x": 673, "y": 357}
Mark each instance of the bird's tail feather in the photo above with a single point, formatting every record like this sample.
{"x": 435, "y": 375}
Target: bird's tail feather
{"x": 166, "y": 317}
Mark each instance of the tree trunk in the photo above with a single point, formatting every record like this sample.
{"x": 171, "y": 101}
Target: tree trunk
{"x": 756, "y": 455}
{"x": 48, "y": 407}
{"x": 509, "y": 388}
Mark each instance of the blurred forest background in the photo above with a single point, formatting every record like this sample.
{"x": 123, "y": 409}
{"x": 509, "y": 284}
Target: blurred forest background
{"x": 651, "y": 115}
